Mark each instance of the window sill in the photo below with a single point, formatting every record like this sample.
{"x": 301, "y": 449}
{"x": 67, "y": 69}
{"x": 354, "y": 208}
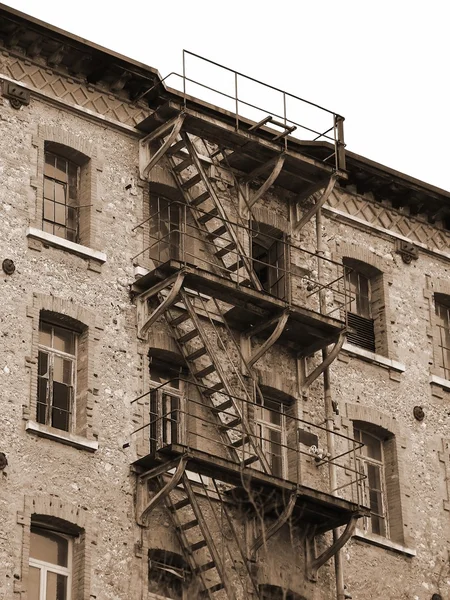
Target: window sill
{"x": 382, "y": 542}
{"x": 71, "y": 439}
{"x": 374, "y": 358}
{"x": 58, "y": 242}
{"x": 440, "y": 381}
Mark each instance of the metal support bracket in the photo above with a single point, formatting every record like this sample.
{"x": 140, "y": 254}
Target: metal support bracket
{"x": 325, "y": 363}
{"x": 320, "y": 202}
{"x": 146, "y": 320}
{"x": 272, "y": 530}
{"x": 313, "y": 562}
{"x": 146, "y": 160}
{"x": 148, "y": 505}
{"x": 277, "y": 163}
{"x": 282, "y": 320}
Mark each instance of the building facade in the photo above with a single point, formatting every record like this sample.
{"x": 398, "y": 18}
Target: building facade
{"x": 225, "y": 354}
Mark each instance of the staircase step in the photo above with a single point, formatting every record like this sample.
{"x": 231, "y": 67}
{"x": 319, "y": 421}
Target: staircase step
{"x": 206, "y": 567}
{"x": 208, "y": 216}
{"x": 189, "y": 525}
{"x": 190, "y": 335}
{"x": 217, "y": 232}
{"x": 180, "y": 319}
{"x": 197, "y": 354}
{"x": 233, "y": 423}
{"x": 200, "y": 199}
{"x": 226, "y": 250}
{"x": 240, "y": 442}
{"x": 215, "y": 588}
{"x": 192, "y": 181}
{"x": 223, "y": 406}
{"x": 184, "y": 164}
{"x": 235, "y": 266}
{"x": 197, "y": 545}
{"x": 176, "y": 147}
{"x": 180, "y": 504}
{"x": 250, "y": 460}
{"x": 213, "y": 389}
{"x": 206, "y": 371}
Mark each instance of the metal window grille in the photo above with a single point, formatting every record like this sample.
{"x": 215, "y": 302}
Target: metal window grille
{"x": 61, "y": 202}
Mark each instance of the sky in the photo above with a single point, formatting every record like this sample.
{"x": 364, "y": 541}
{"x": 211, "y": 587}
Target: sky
{"x": 383, "y": 65}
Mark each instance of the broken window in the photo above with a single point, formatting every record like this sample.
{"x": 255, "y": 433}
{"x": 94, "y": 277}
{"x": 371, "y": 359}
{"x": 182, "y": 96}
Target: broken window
{"x": 61, "y": 197}
{"x": 50, "y": 565}
{"x": 56, "y": 375}
{"x": 442, "y": 308}
{"x": 167, "y": 574}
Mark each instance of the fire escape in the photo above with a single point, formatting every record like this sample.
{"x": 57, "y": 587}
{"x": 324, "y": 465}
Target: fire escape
{"x": 244, "y": 282}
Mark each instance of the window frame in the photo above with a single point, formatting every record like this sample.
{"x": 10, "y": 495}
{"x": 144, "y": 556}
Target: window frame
{"x": 275, "y": 258}
{"x": 67, "y": 187}
{"x": 360, "y": 319}
{"x": 160, "y": 430}
{"x": 442, "y": 352}
{"x": 172, "y": 227}
{"x": 264, "y": 427}
{"x": 46, "y": 567}
{"x": 364, "y": 461}
{"x": 51, "y": 353}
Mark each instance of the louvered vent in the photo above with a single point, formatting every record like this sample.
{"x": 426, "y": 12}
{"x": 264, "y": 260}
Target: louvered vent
{"x": 364, "y": 335}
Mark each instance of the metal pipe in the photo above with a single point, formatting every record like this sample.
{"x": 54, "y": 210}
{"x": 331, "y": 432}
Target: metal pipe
{"x": 329, "y": 418}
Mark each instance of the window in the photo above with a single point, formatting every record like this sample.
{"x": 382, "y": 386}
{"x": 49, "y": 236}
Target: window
{"x": 56, "y": 375}
{"x": 371, "y": 464}
{"x": 270, "y": 423}
{"x": 61, "y": 197}
{"x": 164, "y": 229}
{"x": 165, "y": 405}
{"x": 442, "y": 307}
{"x": 268, "y": 250}
{"x": 359, "y": 316}
{"x": 50, "y": 565}
{"x": 167, "y": 574}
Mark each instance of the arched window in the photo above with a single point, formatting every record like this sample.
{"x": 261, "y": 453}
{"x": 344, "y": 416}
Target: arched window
{"x": 50, "y": 565}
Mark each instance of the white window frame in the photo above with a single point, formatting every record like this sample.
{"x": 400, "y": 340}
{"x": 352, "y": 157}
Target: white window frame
{"x": 51, "y": 353}
{"x": 45, "y": 567}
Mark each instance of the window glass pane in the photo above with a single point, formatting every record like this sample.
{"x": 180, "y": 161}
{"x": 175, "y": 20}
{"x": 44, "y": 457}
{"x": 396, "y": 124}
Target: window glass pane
{"x": 64, "y": 340}
{"x": 372, "y": 447}
{"x": 59, "y": 230}
{"x": 34, "y": 583}
{"x": 49, "y": 168}
{"x": 71, "y": 235}
{"x": 61, "y": 406}
{"x": 49, "y": 210}
{"x": 61, "y": 169}
{"x": 71, "y": 220}
{"x": 45, "y": 334}
{"x": 60, "y": 214}
{"x": 374, "y": 477}
{"x": 41, "y": 409}
{"x": 48, "y": 189}
{"x": 48, "y": 227}
{"x": 56, "y": 586}
{"x": 49, "y": 547}
{"x": 60, "y": 193}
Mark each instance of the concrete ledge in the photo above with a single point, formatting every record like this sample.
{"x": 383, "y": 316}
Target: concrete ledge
{"x": 440, "y": 381}
{"x": 377, "y": 540}
{"x": 58, "y": 242}
{"x": 77, "y": 441}
{"x": 374, "y": 358}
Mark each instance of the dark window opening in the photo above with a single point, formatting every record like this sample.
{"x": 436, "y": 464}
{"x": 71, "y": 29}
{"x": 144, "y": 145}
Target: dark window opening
{"x": 442, "y": 308}
{"x": 167, "y": 574}
{"x": 164, "y": 229}
{"x": 359, "y": 316}
{"x": 165, "y": 404}
{"x": 268, "y": 251}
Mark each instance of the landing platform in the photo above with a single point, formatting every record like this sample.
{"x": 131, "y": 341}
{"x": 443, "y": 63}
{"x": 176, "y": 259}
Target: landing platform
{"x": 305, "y": 328}
{"x": 320, "y": 510}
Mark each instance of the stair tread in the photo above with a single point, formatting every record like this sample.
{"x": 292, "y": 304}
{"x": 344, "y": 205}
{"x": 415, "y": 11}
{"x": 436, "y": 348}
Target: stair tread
{"x": 215, "y": 388}
{"x": 240, "y": 442}
{"x": 180, "y": 319}
{"x": 208, "y": 216}
{"x": 225, "y": 250}
{"x": 176, "y": 147}
{"x": 217, "y": 232}
{"x": 196, "y": 354}
{"x": 250, "y": 460}
{"x": 189, "y": 525}
{"x": 180, "y": 504}
{"x": 184, "y": 164}
{"x": 206, "y": 567}
{"x": 190, "y": 335}
{"x": 223, "y": 406}
{"x": 197, "y": 545}
{"x": 192, "y": 181}
{"x": 206, "y": 371}
{"x": 200, "y": 199}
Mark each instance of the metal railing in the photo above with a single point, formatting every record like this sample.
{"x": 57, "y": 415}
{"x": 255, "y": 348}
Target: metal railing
{"x": 254, "y": 105}
{"x": 292, "y": 277}
{"x": 301, "y": 449}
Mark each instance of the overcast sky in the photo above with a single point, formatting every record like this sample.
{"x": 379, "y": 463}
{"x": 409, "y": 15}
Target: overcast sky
{"x": 383, "y": 65}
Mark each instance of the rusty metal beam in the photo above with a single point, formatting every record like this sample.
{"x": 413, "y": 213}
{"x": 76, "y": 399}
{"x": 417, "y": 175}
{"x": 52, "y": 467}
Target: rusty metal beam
{"x": 278, "y": 165}
{"x": 161, "y": 308}
{"x": 320, "y": 202}
{"x": 272, "y": 530}
{"x": 325, "y": 363}
{"x": 282, "y": 320}
{"x": 146, "y": 162}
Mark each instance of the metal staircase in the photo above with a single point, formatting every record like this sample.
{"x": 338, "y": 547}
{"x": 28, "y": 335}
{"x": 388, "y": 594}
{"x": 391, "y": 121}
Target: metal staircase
{"x": 201, "y": 194}
{"x": 227, "y": 393}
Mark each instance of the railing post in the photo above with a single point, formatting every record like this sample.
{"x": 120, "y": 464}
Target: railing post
{"x": 339, "y": 141}
{"x": 184, "y": 78}
{"x": 236, "y": 99}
